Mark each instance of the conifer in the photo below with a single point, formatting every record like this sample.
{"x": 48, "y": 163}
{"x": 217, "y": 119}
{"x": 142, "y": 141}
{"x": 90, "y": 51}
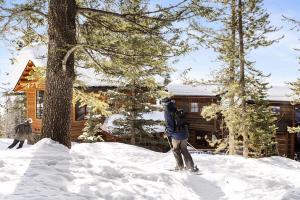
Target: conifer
{"x": 93, "y": 35}
{"x": 241, "y": 27}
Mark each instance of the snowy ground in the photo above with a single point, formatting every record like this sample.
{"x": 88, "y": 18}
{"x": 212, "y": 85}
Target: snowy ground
{"x": 48, "y": 170}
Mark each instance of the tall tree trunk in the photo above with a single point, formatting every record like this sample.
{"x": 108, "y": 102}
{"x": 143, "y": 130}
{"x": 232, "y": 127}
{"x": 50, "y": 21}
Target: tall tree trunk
{"x": 59, "y": 81}
{"x": 232, "y": 71}
{"x": 242, "y": 77}
{"x": 133, "y": 115}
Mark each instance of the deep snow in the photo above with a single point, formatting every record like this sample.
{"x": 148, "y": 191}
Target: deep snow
{"x": 48, "y": 170}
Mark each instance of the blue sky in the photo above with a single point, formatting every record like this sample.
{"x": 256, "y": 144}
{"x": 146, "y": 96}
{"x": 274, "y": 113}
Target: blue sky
{"x": 280, "y": 59}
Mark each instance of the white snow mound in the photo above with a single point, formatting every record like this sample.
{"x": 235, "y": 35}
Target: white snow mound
{"x": 50, "y": 171}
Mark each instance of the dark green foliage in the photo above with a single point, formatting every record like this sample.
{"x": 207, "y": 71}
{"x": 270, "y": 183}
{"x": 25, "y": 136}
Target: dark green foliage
{"x": 111, "y": 37}
{"x": 238, "y": 79}
{"x": 92, "y": 129}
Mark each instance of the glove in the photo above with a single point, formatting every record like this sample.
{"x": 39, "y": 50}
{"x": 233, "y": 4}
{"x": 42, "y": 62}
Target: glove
{"x": 165, "y": 135}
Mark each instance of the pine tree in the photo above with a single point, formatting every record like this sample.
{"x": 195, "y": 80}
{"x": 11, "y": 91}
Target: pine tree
{"x": 91, "y": 129}
{"x": 244, "y": 27}
{"x": 295, "y": 85}
{"x": 262, "y": 129}
{"x": 14, "y": 112}
{"x": 94, "y": 30}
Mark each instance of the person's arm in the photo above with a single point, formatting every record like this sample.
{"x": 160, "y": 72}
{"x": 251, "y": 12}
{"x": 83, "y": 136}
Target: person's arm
{"x": 30, "y": 130}
{"x": 16, "y": 129}
{"x": 170, "y": 125}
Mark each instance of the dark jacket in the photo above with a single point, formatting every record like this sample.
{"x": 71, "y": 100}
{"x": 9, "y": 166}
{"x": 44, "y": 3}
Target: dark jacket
{"x": 22, "y": 131}
{"x": 170, "y": 109}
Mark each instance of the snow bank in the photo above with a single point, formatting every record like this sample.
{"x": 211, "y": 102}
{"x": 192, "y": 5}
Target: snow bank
{"x": 48, "y": 170}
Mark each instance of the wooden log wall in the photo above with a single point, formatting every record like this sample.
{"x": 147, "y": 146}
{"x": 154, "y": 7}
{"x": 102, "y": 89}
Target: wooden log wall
{"x": 286, "y": 142}
{"x": 76, "y": 126}
{"x": 199, "y": 128}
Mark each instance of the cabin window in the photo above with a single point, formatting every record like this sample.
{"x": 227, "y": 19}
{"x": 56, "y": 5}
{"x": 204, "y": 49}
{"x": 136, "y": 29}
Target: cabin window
{"x": 275, "y": 110}
{"x": 39, "y": 104}
{"x": 80, "y": 111}
{"x": 194, "y": 107}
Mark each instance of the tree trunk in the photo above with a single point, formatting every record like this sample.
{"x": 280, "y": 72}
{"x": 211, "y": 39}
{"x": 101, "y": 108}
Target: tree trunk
{"x": 232, "y": 71}
{"x": 59, "y": 81}
{"x": 242, "y": 77}
{"x": 133, "y": 115}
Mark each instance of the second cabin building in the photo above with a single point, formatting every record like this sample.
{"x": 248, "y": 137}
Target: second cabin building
{"x": 192, "y": 99}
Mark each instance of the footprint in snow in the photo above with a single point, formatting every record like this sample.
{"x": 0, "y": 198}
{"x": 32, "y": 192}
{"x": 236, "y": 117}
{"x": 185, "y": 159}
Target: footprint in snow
{"x": 51, "y": 162}
{"x": 1, "y": 163}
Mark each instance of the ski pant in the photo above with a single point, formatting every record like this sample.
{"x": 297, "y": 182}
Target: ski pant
{"x": 15, "y": 142}
{"x": 179, "y": 150}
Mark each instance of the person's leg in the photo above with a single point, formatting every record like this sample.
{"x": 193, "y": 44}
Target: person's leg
{"x": 15, "y": 142}
{"x": 188, "y": 160}
{"x": 177, "y": 154}
{"x": 20, "y": 145}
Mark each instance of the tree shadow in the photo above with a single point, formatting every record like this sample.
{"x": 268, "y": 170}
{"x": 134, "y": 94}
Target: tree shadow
{"x": 293, "y": 194}
{"x": 206, "y": 189}
{"x": 47, "y": 176}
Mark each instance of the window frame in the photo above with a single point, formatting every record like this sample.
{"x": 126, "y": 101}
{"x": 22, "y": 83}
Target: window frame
{"x": 80, "y": 117}
{"x": 194, "y": 107}
{"x": 39, "y": 106}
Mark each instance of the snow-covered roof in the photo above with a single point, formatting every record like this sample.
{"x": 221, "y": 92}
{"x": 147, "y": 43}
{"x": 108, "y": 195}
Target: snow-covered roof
{"x": 176, "y": 89}
{"x": 109, "y": 125}
{"x": 37, "y": 53}
{"x": 280, "y": 93}
{"x": 275, "y": 93}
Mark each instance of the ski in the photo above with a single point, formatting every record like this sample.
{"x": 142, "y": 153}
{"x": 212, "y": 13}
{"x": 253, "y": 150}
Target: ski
{"x": 197, "y": 172}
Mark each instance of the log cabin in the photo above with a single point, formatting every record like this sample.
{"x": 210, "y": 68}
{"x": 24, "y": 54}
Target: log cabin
{"x": 34, "y": 92}
{"x": 192, "y": 99}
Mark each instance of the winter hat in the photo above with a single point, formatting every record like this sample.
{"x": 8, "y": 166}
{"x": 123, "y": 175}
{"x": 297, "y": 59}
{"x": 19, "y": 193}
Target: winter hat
{"x": 171, "y": 107}
{"x": 166, "y": 100}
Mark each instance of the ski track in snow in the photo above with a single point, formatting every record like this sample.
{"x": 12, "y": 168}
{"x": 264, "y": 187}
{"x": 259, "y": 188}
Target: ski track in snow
{"x": 50, "y": 171}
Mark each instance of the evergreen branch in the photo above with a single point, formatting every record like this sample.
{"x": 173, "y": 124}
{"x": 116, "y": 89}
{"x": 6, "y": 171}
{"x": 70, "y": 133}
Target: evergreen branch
{"x": 25, "y": 9}
{"x": 144, "y": 15}
{"x": 95, "y": 61}
{"x": 291, "y": 20}
{"x": 112, "y": 51}
{"x": 143, "y": 29}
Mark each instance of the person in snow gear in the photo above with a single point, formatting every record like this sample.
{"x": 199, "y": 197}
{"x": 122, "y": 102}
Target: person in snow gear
{"x": 177, "y": 130}
{"x": 22, "y": 132}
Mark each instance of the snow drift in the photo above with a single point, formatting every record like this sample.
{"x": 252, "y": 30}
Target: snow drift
{"x": 48, "y": 170}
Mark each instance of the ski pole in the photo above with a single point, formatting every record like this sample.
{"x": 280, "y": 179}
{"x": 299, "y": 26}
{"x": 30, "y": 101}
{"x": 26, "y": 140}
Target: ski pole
{"x": 193, "y": 147}
{"x": 169, "y": 143}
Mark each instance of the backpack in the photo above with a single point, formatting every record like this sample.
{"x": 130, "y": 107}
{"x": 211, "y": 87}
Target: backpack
{"x": 180, "y": 120}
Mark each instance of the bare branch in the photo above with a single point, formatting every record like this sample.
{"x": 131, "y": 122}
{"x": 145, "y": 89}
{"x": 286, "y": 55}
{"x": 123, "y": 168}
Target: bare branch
{"x": 72, "y": 50}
